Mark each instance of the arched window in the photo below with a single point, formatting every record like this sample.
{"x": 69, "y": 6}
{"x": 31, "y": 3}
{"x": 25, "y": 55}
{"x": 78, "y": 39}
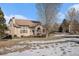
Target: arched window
{"x": 38, "y": 29}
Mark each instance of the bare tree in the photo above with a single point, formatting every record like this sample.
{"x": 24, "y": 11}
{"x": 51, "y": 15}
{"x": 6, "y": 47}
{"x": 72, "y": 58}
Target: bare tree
{"x": 47, "y": 14}
{"x": 72, "y": 15}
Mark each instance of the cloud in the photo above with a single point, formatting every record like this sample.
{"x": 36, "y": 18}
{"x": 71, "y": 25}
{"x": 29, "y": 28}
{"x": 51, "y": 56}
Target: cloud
{"x": 76, "y": 6}
{"x": 16, "y": 16}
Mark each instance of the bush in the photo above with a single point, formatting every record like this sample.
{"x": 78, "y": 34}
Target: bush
{"x": 7, "y": 37}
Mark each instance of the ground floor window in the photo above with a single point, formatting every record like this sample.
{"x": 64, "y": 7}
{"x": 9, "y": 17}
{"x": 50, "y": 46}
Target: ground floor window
{"x": 38, "y": 29}
{"x": 23, "y": 31}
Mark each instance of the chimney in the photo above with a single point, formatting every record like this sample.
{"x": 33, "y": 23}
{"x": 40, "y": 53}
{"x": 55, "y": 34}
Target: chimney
{"x": 13, "y": 19}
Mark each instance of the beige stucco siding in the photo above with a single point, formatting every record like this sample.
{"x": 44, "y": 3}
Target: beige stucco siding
{"x": 24, "y": 34}
{"x": 11, "y": 28}
{"x": 16, "y": 31}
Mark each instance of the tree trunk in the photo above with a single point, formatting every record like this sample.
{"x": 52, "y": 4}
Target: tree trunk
{"x": 47, "y": 34}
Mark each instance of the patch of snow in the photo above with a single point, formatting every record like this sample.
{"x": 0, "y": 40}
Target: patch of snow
{"x": 57, "y": 40}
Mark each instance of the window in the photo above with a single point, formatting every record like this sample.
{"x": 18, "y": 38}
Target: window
{"x": 43, "y": 30}
{"x": 38, "y": 29}
{"x": 23, "y": 29}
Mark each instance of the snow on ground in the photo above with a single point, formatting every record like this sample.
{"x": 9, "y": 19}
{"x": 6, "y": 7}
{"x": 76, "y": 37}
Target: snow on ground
{"x": 49, "y": 48}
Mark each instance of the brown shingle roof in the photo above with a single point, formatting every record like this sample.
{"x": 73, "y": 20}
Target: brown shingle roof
{"x": 25, "y": 22}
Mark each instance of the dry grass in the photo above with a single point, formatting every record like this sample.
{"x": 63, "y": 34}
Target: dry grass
{"x": 7, "y": 43}
{"x": 14, "y": 42}
{"x": 10, "y": 44}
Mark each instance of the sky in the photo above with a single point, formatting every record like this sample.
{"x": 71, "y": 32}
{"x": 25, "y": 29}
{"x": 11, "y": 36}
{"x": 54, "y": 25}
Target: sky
{"x": 28, "y": 10}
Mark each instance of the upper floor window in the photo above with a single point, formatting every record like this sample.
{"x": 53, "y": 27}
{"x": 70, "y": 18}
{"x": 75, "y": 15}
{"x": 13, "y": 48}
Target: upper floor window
{"x": 38, "y": 29}
{"x": 24, "y": 27}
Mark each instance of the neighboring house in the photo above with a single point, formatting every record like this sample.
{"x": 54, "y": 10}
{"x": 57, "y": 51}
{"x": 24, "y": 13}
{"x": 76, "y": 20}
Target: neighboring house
{"x": 22, "y": 28}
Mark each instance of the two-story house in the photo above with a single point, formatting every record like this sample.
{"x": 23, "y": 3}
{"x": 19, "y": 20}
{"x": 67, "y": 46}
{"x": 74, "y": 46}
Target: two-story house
{"x": 21, "y": 27}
